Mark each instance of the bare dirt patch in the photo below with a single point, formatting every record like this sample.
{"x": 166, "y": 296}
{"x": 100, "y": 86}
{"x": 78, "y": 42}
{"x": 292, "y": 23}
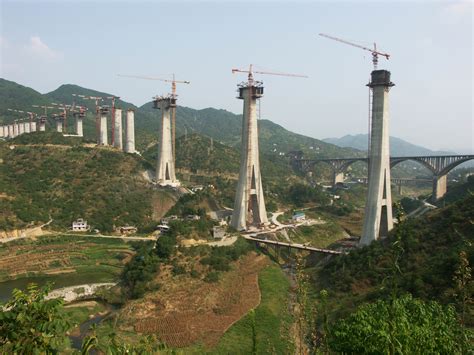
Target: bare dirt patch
{"x": 186, "y": 311}
{"x": 161, "y": 202}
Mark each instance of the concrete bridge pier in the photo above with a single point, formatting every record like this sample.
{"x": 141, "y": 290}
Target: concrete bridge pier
{"x": 103, "y": 139}
{"x": 399, "y": 188}
{"x": 440, "y": 186}
{"x": 165, "y": 167}
{"x": 118, "y": 129}
{"x": 79, "y": 126}
{"x": 337, "y": 177}
{"x": 42, "y": 124}
{"x": 130, "y": 132}
{"x": 378, "y": 210}
{"x": 59, "y": 125}
{"x": 249, "y": 203}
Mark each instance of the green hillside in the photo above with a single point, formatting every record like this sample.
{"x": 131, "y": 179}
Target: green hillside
{"x": 457, "y": 191}
{"x": 65, "y": 182}
{"x": 19, "y": 97}
{"x": 196, "y": 153}
{"x": 427, "y": 255}
{"x": 226, "y": 127}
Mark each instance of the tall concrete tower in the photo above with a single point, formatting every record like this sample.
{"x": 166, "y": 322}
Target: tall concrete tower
{"x": 378, "y": 211}
{"x": 103, "y": 139}
{"x": 165, "y": 168}
{"x": 249, "y": 205}
{"x": 11, "y": 130}
{"x": 118, "y": 129}
{"x": 33, "y": 126}
{"x": 27, "y": 127}
{"x": 130, "y": 132}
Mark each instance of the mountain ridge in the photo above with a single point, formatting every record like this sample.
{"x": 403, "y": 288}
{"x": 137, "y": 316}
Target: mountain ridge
{"x": 398, "y": 146}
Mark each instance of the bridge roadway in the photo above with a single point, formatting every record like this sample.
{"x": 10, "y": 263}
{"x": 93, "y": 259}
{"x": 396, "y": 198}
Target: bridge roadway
{"x": 439, "y": 165}
{"x": 294, "y": 246}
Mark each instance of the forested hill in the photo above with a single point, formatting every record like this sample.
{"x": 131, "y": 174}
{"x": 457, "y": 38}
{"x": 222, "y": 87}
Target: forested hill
{"x": 47, "y": 176}
{"x": 221, "y": 125}
{"x": 423, "y": 262}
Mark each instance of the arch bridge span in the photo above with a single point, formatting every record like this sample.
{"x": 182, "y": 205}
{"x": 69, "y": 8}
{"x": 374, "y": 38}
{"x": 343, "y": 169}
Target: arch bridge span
{"x": 439, "y": 165}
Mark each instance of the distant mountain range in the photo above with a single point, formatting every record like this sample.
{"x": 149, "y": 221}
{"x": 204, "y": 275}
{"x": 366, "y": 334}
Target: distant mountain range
{"x": 398, "y": 147}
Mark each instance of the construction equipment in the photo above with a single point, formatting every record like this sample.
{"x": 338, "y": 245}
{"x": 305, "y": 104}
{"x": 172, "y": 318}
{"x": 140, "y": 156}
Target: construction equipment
{"x": 45, "y": 108}
{"x": 64, "y": 109}
{"x": 375, "y": 53}
{"x": 96, "y": 99}
{"x": 173, "y": 96}
{"x": 251, "y": 72}
{"x": 31, "y": 115}
{"x": 251, "y": 80}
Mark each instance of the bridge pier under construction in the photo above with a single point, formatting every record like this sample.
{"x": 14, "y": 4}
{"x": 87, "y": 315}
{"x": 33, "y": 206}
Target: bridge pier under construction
{"x": 165, "y": 167}
{"x": 249, "y": 204}
{"x": 378, "y": 210}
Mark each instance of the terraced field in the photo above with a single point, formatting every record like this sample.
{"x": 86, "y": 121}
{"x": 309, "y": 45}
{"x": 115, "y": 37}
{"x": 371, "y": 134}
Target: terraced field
{"x": 185, "y": 312}
{"x": 64, "y": 260}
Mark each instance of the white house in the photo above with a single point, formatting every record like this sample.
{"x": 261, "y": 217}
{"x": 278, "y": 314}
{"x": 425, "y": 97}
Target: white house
{"x": 80, "y": 225}
{"x": 299, "y": 216}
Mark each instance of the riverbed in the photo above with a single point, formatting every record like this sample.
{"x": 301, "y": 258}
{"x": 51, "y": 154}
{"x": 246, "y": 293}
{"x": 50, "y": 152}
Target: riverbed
{"x": 59, "y": 280}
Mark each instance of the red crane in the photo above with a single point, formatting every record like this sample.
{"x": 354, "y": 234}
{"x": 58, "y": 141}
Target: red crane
{"x": 173, "y": 96}
{"x": 375, "y": 53}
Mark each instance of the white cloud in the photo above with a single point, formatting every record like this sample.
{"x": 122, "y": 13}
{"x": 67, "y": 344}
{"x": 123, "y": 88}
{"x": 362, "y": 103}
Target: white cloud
{"x": 38, "y": 48}
{"x": 459, "y": 8}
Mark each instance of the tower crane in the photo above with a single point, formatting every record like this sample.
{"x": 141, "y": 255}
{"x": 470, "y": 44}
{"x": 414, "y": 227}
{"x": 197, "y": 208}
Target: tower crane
{"x": 44, "y": 117}
{"x": 375, "y": 53}
{"x": 251, "y": 80}
{"x": 46, "y": 107}
{"x": 173, "y": 96}
{"x": 63, "y": 114}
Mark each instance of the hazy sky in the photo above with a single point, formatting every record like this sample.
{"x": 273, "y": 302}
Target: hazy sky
{"x": 46, "y": 44}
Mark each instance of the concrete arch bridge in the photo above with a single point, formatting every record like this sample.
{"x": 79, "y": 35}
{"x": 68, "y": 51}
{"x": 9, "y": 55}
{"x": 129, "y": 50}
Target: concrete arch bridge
{"x": 439, "y": 165}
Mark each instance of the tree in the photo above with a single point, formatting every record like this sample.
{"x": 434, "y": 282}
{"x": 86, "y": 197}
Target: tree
{"x": 398, "y": 326}
{"x": 31, "y": 324}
